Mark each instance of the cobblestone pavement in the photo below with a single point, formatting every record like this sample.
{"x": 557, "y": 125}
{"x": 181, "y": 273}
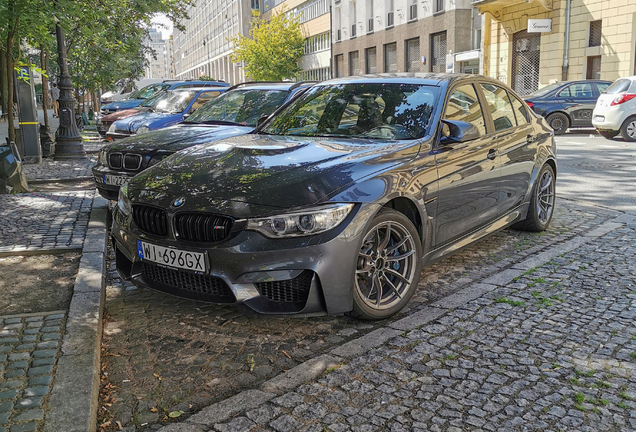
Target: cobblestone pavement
{"x": 28, "y": 348}
{"x": 51, "y": 169}
{"x": 554, "y": 350}
{"x": 164, "y": 354}
{"x": 44, "y": 220}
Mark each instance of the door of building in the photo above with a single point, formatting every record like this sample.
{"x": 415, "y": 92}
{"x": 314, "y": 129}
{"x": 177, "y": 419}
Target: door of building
{"x": 525, "y": 62}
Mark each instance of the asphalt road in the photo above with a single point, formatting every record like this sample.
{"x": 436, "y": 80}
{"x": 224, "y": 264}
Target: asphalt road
{"x": 596, "y": 170}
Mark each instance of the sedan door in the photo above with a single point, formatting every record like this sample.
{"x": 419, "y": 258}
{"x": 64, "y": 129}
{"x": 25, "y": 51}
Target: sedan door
{"x": 516, "y": 143}
{"x": 578, "y": 101}
{"x": 468, "y": 186}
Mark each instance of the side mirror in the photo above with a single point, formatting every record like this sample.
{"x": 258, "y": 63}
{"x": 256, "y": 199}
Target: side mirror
{"x": 261, "y": 120}
{"x": 454, "y": 131}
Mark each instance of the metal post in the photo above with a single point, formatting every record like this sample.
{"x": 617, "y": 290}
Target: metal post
{"x": 69, "y": 141}
{"x": 566, "y": 44}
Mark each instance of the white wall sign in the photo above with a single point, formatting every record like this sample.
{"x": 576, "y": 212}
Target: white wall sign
{"x": 539, "y": 25}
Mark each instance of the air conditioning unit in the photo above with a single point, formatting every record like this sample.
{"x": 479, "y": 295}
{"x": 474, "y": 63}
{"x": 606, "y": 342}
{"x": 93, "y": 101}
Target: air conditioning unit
{"x": 370, "y": 28}
{"x": 389, "y": 19}
{"x": 413, "y": 12}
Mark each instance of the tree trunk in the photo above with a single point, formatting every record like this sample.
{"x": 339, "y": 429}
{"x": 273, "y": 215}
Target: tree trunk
{"x": 98, "y": 104}
{"x": 4, "y": 99}
{"x": 45, "y": 87}
{"x": 10, "y": 126}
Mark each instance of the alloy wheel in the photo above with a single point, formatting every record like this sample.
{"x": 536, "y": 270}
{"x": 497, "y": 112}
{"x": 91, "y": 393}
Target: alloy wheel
{"x": 386, "y": 265}
{"x": 545, "y": 197}
{"x": 631, "y": 129}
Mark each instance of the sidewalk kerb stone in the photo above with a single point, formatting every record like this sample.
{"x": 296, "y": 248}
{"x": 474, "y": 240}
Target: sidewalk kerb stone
{"x": 461, "y": 297}
{"x": 503, "y": 277}
{"x": 60, "y": 180}
{"x": 603, "y": 229}
{"x": 32, "y": 251}
{"x": 365, "y": 343}
{"x": 227, "y": 408}
{"x": 74, "y": 401}
{"x": 307, "y": 371}
{"x": 418, "y": 318}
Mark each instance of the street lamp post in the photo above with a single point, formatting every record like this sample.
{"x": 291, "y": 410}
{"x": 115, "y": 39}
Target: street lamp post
{"x": 69, "y": 141}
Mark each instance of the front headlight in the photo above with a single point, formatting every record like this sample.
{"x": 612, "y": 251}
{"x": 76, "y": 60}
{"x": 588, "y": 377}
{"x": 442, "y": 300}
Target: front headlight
{"x": 111, "y": 129}
{"x": 142, "y": 130}
{"x": 102, "y": 157}
{"x": 301, "y": 223}
{"x": 123, "y": 203}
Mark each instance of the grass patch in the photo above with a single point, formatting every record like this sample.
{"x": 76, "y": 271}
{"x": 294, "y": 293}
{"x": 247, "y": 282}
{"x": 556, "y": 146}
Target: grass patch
{"x": 588, "y": 374}
{"x": 508, "y": 301}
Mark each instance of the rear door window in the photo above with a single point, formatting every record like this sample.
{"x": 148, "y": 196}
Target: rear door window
{"x": 602, "y": 87}
{"x": 463, "y": 105}
{"x": 499, "y": 106}
{"x": 521, "y": 112}
{"x": 577, "y": 91}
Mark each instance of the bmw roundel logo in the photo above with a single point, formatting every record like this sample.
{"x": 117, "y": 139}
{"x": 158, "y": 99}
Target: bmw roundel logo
{"x": 179, "y": 202}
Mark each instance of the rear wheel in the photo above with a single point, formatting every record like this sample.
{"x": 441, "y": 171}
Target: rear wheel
{"x": 541, "y": 203}
{"x": 559, "y": 122}
{"x": 388, "y": 266}
{"x": 628, "y": 130}
{"x": 608, "y": 134}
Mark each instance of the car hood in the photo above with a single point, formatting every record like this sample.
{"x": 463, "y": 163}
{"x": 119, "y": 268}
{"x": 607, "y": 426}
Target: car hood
{"x": 125, "y": 104}
{"x": 266, "y": 171}
{"x": 117, "y": 115}
{"x": 176, "y": 138}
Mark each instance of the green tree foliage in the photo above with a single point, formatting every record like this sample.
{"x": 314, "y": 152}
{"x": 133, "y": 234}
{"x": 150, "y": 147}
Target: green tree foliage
{"x": 272, "y": 50}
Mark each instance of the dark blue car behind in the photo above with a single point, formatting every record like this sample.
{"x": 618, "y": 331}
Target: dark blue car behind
{"x": 567, "y": 104}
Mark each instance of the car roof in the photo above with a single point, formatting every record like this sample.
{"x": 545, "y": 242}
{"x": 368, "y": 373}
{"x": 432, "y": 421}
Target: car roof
{"x": 203, "y": 89}
{"x": 266, "y": 85}
{"x": 427, "y": 78}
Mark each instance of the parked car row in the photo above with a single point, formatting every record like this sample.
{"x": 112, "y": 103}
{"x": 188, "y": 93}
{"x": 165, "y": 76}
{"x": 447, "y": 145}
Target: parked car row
{"x": 329, "y": 197}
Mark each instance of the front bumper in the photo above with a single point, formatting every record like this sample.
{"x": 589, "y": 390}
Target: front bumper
{"x": 302, "y": 276}
{"x": 108, "y": 191}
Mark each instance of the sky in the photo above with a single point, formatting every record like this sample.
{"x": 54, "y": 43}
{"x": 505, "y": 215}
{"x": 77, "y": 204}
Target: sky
{"x": 166, "y": 29}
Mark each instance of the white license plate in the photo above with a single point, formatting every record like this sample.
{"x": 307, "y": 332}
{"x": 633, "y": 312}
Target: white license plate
{"x": 115, "y": 180}
{"x": 171, "y": 257}
{"x": 599, "y": 118}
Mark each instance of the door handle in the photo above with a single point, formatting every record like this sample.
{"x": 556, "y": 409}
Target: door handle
{"x": 492, "y": 154}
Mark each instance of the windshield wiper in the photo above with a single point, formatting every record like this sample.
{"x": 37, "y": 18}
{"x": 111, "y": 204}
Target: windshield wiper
{"x": 222, "y": 122}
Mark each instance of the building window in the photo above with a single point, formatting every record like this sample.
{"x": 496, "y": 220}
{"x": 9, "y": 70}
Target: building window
{"x": 371, "y": 61}
{"x": 438, "y": 6}
{"x": 319, "y": 74}
{"x": 390, "y": 57}
{"x": 438, "y": 52}
{"x": 389, "y": 15}
{"x": 317, "y": 43}
{"x": 370, "y": 16}
{"x": 412, "y": 55}
{"x": 412, "y": 10}
{"x": 593, "y": 67}
{"x": 354, "y": 63}
{"x": 311, "y": 9}
{"x": 352, "y": 19}
{"x": 339, "y": 65}
{"x": 595, "y": 33}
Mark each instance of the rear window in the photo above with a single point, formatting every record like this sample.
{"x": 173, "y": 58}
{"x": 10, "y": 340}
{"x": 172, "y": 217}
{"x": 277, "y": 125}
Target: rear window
{"x": 619, "y": 86}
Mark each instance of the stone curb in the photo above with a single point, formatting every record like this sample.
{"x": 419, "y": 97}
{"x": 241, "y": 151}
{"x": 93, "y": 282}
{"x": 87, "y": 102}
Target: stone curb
{"x": 32, "y": 251}
{"x": 313, "y": 368}
{"x": 60, "y": 180}
{"x": 74, "y": 398}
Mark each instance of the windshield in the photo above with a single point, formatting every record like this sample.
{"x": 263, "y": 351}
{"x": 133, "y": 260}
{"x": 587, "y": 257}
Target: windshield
{"x": 370, "y": 110}
{"x": 151, "y": 102}
{"x": 175, "y": 101}
{"x": 544, "y": 91}
{"x": 148, "y": 91}
{"x": 242, "y": 107}
{"x": 619, "y": 86}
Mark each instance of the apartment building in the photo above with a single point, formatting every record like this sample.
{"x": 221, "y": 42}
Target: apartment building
{"x": 159, "y": 61}
{"x": 315, "y": 21}
{"x": 204, "y": 47}
{"x": 374, "y": 36}
{"x": 527, "y": 46}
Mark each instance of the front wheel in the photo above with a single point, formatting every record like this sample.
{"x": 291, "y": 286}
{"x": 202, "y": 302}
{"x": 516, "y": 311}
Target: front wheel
{"x": 628, "y": 129}
{"x": 541, "y": 202}
{"x": 559, "y": 122}
{"x": 387, "y": 267}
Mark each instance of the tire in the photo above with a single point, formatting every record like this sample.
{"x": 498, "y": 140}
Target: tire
{"x": 383, "y": 285}
{"x": 541, "y": 203}
{"x": 559, "y": 122}
{"x": 608, "y": 134}
{"x": 628, "y": 129}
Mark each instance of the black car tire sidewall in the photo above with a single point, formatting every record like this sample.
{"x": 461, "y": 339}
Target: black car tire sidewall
{"x": 532, "y": 222}
{"x": 624, "y": 133}
{"x": 360, "y": 308}
{"x": 563, "y": 117}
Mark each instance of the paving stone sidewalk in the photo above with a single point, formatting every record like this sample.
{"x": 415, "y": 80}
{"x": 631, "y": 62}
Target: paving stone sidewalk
{"x": 29, "y": 345}
{"x": 71, "y": 169}
{"x": 551, "y": 349}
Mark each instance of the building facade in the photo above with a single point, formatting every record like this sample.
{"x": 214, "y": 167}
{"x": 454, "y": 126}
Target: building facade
{"x": 525, "y": 41}
{"x": 376, "y": 36}
{"x": 159, "y": 61}
{"x": 204, "y": 47}
{"x": 315, "y": 21}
